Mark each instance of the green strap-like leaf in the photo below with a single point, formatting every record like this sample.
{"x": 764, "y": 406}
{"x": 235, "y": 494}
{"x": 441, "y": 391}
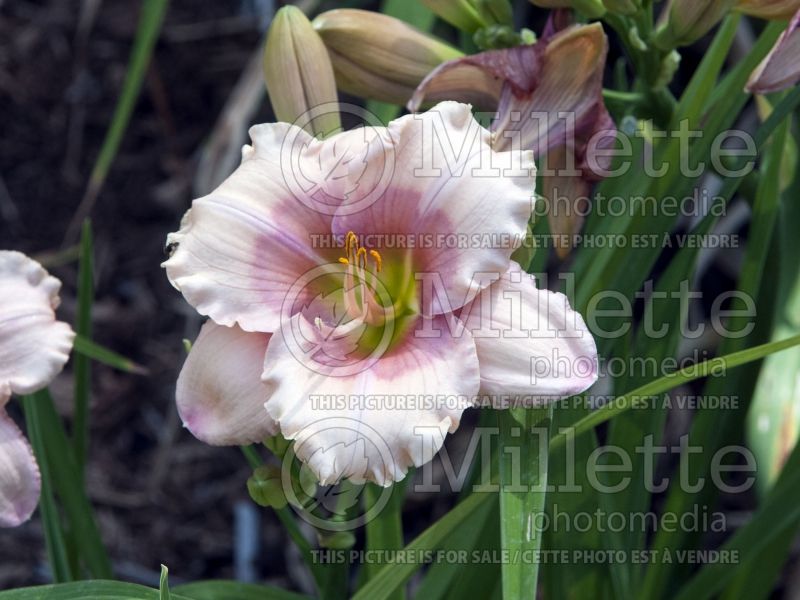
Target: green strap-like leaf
{"x": 391, "y": 577}
{"x": 163, "y": 584}
{"x": 89, "y": 590}
{"x": 82, "y": 364}
{"x": 68, "y": 488}
{"x": 663, "y": 384}
{"x": 233, "y": 590}
{"x": 150, "y": 20}
{"x": 105, "y": 356}
{"x": 51, "y": 523}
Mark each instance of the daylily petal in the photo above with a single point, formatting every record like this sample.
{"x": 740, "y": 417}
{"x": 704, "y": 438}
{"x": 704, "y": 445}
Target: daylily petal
{"x": 368, "y": 421}
{"x": 241, "y": 248}
{"x": 479, "y": 78}
{"x": 780, "y": 69}
{"x": 33, "y": 346}
{"x": 570, "y": 82}
{"x": 567, "y": 196}
{"x": 220, "y": 395}
{"x": 20, "y": 482}
{"x": 532, "y": 347}
{"x": 448, "y": 179}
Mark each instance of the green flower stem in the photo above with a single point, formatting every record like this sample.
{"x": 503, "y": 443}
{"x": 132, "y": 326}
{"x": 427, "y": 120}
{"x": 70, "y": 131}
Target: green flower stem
{"x": 385, "y": 531}
{"x": 524, "y": 437}
{"x": 290, "y": 524}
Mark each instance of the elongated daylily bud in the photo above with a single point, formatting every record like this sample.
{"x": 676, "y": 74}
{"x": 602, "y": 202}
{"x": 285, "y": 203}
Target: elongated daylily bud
{"x": 462, "y": 14}
{"x": 769, "y": 9}
{"x": 781, "y": 68}
{"x": 688, "y": 20}
{"x": 622, "y": 7}
{"x": 379, "y": 57}
{"x": 496, "y": 12}
{"x": 594, "y": 9}
{"x": 298, "y": 72}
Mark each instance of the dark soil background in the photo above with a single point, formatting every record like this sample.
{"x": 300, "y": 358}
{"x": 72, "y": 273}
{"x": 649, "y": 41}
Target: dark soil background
{"x": 161, "y": 496}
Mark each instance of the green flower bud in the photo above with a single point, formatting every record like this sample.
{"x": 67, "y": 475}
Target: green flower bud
{"x": 265, "y": 487}
{"x": 298, "y": 72}
{"x": 338, "y": 540}
{"x": 462, "y": 14}
{"x": 277, "y": 444}
{"x": 497, "y": 12}
{"x": 379, "y": 57}
{"x": 593, "y": 9}
{"x": 496, "y": 37}
{"x": 621, "y": 7}
{"x": 689, "y": 20}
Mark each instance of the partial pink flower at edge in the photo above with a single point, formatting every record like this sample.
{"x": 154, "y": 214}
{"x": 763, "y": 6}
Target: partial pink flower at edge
{"x": 34, "y": 347}
{"x": 780, "y": 69}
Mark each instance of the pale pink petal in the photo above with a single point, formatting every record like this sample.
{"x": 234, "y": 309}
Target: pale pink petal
{"x": 220, "y": 395}
{"x": 368, "y": 419}
{"x": 20, "y": 482}
{"x": 241, "y": 248}
{"x": 463, "y": 206}
{"x": 532, "y": 347}
{"x": 780, "y": 69}
{"x": 33, "y": 346}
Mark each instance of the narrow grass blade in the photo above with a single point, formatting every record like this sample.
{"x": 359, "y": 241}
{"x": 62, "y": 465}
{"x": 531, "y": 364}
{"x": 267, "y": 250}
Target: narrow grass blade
{"x": 82, "y": 590}
{"x": 82, "y": 364}
{"x": 709, "y": 427}
{"x": 780, "y": 511}
{"x": 755, "y": 578}
{"x": 450, "y": 579}
{"x": 163, "y": 584}
{"x": 105, "y": 356}
{"x": 392, "y": 577}
{"x": 232, "y": 590}
{"x": 150, "y": 19}
{"x": 69, "y": 489}
{"x": 51, "y": 522}
{"x": 774, "y": 418}
{"x": 118, "y": 590}
{"x": 663, "y": 384}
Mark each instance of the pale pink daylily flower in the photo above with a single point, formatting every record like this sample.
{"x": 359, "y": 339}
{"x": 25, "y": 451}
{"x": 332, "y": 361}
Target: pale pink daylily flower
{"x": 318, "y": 297}
{"x": 780, "y": 69}
{"x": 34, "y": 347}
